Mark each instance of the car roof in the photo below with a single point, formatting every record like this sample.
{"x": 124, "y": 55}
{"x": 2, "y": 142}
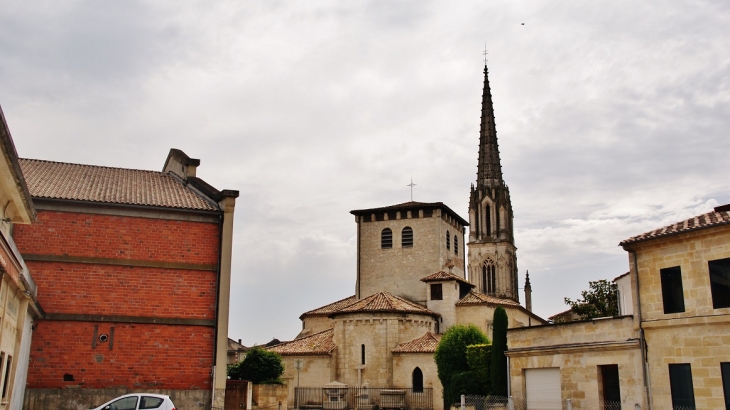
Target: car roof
{"x": 162, "y": 396}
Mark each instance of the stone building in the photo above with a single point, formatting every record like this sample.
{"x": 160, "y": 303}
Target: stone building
{"x": 413, "y": 283}
{"x": 19, "y": 306}
{"x": 669, "y": 347}
{"x": 133, "y": 272}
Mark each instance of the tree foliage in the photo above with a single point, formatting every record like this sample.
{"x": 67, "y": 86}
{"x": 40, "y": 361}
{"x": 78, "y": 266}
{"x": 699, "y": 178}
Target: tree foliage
{"x": 601, "y": 300}
{"x": 260, "y": 367}
{"x": 498, "y": 371}
{"x": 451, "y": 361}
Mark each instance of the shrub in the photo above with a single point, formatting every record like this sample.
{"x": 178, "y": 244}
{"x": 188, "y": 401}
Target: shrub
{"x": 498, "y": 371}
{"x": 260, "y": 367}
{"x": 451, "y": 359}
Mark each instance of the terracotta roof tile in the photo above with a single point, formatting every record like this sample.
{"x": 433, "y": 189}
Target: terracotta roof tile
{"x": 321, "y": 343}
{"x": 59, "y": 180}
{"x": 424, "y": 344}
{"x": 326, "y": 310}
{"x": 384, "y": 302}
{"x": 475, "y": 298}
{"x": 720, "y": 216}
{"x": 441, "y": 275}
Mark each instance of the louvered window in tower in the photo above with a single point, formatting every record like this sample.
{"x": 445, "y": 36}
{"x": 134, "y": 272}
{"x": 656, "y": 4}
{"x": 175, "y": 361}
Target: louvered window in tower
{"x": 407, "y": 237}
{"x": 456, "y": 245}
{"x": 448, "y": 240}
{"x": 386, "y": 238}
{"x": 488, "y": 217}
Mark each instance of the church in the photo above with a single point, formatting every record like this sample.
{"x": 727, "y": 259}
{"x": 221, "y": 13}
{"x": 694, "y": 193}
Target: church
{"x": 416, "y": 277}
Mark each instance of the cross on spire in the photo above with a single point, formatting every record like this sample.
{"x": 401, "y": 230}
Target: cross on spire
{"x": 411, "y": 185}
{"x": 485, "y": 53}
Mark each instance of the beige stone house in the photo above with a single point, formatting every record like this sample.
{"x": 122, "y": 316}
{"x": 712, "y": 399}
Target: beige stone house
{"x": 669, "y": 349}
{"x": 414, "y": 279}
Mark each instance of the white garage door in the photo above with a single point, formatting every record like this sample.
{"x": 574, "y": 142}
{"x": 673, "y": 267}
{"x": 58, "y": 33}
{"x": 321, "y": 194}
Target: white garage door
{"x": 543, "y": 389}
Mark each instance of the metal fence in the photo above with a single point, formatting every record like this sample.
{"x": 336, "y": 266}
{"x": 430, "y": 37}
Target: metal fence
{"x": 511, "y": 403}
{"x": 362, "y": 398}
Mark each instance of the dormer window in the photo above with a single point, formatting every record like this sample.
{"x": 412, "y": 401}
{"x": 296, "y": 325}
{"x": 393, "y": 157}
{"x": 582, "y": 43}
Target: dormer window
{"x": 448, "y": 241}
{"x": 407, "y": 237}
{"x": 386, "y": 238}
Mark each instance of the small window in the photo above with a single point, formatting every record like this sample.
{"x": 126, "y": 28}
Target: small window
{"x": 456, "y": 245}
{"x": 6, "y": 381}
{"x": 720, "y": 282}
{"x": 436, "y": 292}
{"x": 386, "y": 238}
{"x": 725, "y": 370}
{"x": 680, "y": 383}
{"x": 417, "y": 380}
{"x": 362, "y": 354}
{"x": 148, "y": 402}
{"x": 448, "y": 241}
{"x": 407, "y": 237}
{"x": 672, "y": 292}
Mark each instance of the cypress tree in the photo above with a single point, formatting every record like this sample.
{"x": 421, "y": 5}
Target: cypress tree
{"x": 499, "y": 346}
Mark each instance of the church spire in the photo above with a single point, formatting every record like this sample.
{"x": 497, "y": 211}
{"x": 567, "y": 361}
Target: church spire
{"x": 489, "y": 171}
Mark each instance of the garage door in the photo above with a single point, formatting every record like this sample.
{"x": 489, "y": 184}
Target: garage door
{"x": 543, "y": 389}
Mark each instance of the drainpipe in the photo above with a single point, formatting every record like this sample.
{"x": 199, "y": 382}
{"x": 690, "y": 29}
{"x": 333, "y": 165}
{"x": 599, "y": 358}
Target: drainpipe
{"x": 642, "y": 340}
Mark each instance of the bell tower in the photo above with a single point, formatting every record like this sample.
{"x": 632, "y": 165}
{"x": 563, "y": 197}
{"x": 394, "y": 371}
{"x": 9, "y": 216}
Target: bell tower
{"x": 492, "y": 253}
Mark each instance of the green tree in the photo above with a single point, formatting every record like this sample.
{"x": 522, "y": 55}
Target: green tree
{"x": 451, "y": 361}
{"x": 498, "y": 371}
{"x": 260, "y": 367}
{"x": 601, "y": 300}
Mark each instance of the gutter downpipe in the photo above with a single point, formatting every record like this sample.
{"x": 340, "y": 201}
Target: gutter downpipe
{"x": 642, "y": 345}
{"x": 217, "y": 301}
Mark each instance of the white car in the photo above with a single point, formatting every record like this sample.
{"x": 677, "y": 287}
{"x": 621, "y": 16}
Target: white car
{"x": 138, "y": 401}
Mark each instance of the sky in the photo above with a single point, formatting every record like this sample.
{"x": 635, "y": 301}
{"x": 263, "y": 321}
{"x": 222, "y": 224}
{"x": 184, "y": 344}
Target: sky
{"x": 612, "y": 119}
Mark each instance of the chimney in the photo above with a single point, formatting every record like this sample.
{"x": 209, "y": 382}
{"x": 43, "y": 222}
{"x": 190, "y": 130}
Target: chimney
{"x": 528, "y": 292}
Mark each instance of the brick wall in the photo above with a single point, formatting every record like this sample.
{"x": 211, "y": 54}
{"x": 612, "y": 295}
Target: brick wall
{"x": 174, "y": 355}
{"x": 141, "y": 356}
{"x": 123, "y": 237}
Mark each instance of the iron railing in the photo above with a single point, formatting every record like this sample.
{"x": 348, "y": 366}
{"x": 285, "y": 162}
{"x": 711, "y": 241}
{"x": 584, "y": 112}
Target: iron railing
{"x": 362, "y": 398}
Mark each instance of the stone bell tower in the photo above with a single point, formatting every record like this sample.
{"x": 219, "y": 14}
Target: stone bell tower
{"x": 492, "y": 253}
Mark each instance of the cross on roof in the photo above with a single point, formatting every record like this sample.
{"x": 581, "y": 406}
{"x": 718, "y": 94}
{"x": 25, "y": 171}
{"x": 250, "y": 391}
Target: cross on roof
{"x": 411, "y": 185}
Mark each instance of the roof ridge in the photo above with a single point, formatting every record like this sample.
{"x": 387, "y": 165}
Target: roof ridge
{"x": 93, "y": 166}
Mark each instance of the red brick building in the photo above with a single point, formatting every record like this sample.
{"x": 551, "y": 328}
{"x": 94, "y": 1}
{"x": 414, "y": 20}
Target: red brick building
{"x": 133, "y": 273}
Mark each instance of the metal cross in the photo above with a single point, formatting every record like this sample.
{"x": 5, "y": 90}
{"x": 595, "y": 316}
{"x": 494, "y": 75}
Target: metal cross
{"x": 411, "y": 185}
{"x": 485, "y": 53}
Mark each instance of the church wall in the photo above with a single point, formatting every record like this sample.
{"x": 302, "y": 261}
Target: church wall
{"x": 405, "y": 363}
{"x": 316, "y": 371}
{"x": 578, "y": 349}
{"x": 316, "y": 324}
{"x": 482, "y": 316}
{"x": 446, "y": 307}
{"x": 503, "y": 256}
{"x": 399, "y": 270}
{"x": 380, "y": 333}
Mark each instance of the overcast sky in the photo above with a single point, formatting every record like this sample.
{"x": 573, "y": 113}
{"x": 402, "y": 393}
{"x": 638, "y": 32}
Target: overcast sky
{"x": 612, "y": 119}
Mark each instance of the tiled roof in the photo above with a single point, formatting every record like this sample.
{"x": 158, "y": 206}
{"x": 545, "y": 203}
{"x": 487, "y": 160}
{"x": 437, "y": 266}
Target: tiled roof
{"x": 331, "y": 308}
{"x": 384, "y": 302}
{"x": 317, "y": 344}
{"x": 475, "y": 298}
{"x": 441, "y": 275}
{"x": 720, "y": 216}
{"x": 412, "y": 205}
{"x": 424, "y": 344}
{"x": 59, "y": 180}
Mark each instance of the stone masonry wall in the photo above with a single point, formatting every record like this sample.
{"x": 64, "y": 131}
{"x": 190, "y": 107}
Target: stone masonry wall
{"x": 316, "y": 371}
{"x": 405, "y": 363}
{"x": 378, "y": 267}
{"x": 380, "y": 333}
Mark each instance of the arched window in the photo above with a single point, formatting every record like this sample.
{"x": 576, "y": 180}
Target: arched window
{"x": 386, "y": 238}
{"x": 417, "y": 380}
{"x": 407, "y": 237}
{"x": 362, "y": 354}
{"x": 448, "y": 240}
{"x": 489, "y": 285}
{"x": 456, "y": 245}
{"x": 488, "y": 216}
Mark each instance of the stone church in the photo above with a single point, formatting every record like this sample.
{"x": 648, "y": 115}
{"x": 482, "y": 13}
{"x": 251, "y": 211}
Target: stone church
{"x": 415, "y": 279}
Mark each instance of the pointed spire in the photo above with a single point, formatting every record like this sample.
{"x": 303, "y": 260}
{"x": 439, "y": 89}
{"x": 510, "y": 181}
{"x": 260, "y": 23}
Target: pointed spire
{"x": 489, "y": 171}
